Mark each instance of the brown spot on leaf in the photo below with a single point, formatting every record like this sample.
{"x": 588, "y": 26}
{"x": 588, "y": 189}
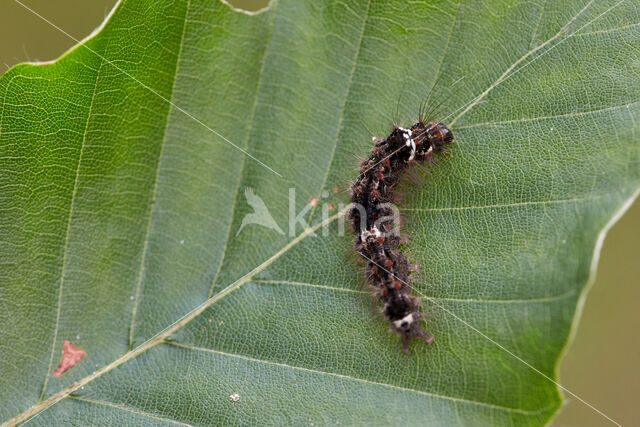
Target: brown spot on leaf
{"x": 70, "y": 356}
{"x": 336, "y": 189}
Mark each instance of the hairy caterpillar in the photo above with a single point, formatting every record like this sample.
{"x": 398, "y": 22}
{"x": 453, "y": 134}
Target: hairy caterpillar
{"x": 372, "y": 218}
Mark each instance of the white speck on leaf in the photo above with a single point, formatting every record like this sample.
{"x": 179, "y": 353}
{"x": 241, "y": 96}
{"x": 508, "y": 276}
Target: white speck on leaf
{"x": 234, "y": 397}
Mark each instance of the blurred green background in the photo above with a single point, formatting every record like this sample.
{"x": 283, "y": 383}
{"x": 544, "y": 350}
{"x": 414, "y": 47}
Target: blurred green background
{"x": 601, "y": 364}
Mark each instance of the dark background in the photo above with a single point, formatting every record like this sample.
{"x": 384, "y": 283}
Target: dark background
{"x": 602, "y": 362}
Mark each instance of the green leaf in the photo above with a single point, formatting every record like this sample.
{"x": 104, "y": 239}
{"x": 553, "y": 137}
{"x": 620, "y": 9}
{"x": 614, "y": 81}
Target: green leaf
{"x": 121, "y": 204}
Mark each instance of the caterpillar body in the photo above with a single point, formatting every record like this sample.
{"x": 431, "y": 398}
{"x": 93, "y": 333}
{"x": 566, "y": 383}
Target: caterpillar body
{"x": 377, "y": 239}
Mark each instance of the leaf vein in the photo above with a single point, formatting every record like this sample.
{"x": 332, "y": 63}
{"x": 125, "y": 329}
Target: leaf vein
{"x": 362, "y": 380}
{"x": 344, "y": 105}
{"x": 143, "y": 257}
{"x": 68, "y": 231}
{"x": 507, "y": 205}
{"x": 504, "y": 75}
{"x": 532, "y": 119}
{"x": 128, "y": 409}
{"x": 549, "y": 298}
{"x": 244, "y": 158}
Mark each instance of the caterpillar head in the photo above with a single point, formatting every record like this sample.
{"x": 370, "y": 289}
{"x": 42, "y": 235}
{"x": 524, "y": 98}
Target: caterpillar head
{"x": 430, "y": 137}
{"x": 438, "y": 135}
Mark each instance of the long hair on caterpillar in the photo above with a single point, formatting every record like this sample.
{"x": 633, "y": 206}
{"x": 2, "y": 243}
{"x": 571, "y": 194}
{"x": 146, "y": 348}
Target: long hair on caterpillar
{"x": 375, "y": 226}
{"x": 428, "y": 114}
